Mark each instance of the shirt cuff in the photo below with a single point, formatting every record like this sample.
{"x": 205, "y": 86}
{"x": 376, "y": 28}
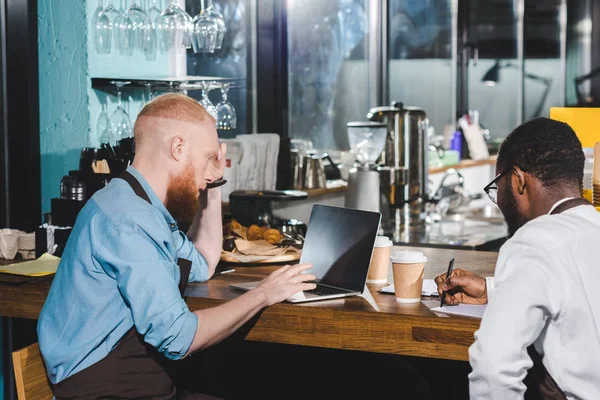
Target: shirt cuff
{"x": 180, "y": 346}
{"x": 489, "y": 283}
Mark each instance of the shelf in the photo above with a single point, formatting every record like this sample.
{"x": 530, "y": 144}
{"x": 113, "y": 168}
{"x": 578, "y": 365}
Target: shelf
{"x": 168, "y": 83}
{"x": 491, "y": 160}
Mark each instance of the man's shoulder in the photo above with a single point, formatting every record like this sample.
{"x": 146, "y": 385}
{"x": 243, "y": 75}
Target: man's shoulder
{"x": 554, "y": 231}
{"x": 118, "y": 201}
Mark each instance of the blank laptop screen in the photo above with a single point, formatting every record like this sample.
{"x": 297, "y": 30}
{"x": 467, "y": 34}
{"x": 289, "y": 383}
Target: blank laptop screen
{"x": 339, "y": 243}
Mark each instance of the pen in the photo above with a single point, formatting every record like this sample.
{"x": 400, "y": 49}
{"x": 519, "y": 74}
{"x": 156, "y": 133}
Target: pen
{"x": 225, "y": 272}
{"x": 450, "y": 267}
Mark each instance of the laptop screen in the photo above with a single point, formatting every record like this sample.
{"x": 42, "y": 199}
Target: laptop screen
{"x": 339, "y": 243}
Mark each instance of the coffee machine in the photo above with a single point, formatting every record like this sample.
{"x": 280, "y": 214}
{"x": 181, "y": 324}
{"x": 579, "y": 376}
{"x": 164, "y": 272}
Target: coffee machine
{"x": 367, "y": 141}
{"x": 403, "y": 170}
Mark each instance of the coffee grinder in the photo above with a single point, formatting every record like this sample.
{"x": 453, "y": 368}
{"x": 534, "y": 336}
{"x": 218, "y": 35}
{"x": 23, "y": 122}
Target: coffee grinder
{"x": 367, "y": 141}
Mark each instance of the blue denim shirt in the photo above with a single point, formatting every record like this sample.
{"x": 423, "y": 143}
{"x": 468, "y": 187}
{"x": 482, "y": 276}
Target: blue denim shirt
{"x": 119, "y": 269}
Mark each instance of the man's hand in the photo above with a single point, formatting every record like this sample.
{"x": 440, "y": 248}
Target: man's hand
{"x": 286, "y": 281}
{"x": 217, "y": 165}
{"x": 462, "y": 287}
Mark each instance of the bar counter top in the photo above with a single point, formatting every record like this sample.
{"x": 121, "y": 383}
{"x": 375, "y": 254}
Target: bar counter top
{"x": 351, "y": 323}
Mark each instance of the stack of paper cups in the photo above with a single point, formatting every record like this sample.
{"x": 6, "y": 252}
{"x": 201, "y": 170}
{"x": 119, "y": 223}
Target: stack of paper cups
{"x": 596, "y": 176}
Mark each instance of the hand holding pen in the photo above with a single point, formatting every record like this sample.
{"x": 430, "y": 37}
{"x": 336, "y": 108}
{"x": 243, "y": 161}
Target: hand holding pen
{"x": 460, "y": 286}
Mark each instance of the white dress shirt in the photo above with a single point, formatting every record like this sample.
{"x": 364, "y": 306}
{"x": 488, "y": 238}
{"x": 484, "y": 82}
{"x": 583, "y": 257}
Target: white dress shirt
{"x": 545, "y": 291}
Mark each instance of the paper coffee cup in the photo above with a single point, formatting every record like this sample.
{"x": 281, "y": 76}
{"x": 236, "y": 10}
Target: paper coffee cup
{"x": 408, "y": 268}
{"x": 380, "y": 262}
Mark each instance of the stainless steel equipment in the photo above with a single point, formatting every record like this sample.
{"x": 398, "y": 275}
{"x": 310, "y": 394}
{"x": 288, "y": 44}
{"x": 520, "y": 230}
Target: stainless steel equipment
{"x": 404, "y": 156}
{"x": 367, "y": 140}
{"x": 314, "y": 171}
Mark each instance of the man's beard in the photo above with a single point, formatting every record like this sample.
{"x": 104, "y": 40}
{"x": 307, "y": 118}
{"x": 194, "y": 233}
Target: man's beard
{"x": 182, "y": 196}
{"x": 512, "y": 214}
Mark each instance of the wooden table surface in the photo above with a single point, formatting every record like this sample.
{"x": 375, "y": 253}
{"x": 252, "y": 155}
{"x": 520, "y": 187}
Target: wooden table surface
{"x": 350, "y": 323}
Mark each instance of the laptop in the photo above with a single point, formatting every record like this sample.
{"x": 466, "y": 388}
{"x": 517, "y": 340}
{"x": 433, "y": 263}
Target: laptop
{"x": 339, "y": 243}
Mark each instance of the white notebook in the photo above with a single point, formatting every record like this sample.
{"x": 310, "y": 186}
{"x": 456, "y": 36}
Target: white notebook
{"x": 467, "y": 310}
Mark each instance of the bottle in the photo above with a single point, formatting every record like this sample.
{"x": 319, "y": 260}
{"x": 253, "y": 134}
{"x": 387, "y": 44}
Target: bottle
{"x": 596, "y": 176}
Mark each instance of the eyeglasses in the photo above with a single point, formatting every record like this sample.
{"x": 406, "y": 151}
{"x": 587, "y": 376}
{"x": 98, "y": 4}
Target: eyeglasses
{"x": 492, "y": 189}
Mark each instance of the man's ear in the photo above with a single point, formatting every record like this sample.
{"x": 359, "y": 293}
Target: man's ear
{"x": 522, "y": 180}
{"x": 177, "y": 147}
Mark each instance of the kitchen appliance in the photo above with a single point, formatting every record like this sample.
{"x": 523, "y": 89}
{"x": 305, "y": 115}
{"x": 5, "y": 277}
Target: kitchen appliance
{"x": 404, "y": 172}
{"x": 250, "y": 207}
{"x": 367, "y": 141}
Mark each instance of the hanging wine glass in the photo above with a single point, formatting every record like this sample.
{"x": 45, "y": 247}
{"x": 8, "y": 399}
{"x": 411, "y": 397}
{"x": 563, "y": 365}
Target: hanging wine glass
{"x": 101, "y": 30}
{"x": 206, "y": 103}
{"x": 205, "y": 30}
{"x": 216, "y": 16}
{"x": 226, "y": 117}
{"x": 153, "y": 15}
{"x": 116, "y": 26}
{"x": 174, "y": 28}
{"x": 120, "y": 124}
{"x": 134, "y": 30}
{"x": 105, "y": 26}
{"x": 103, "y": 126}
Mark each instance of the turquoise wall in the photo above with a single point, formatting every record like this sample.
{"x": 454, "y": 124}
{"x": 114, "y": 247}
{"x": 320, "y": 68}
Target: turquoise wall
{"x": 69, "y": 107}
{"x": 63, "y": 82}
{"x": 114, "y": 65}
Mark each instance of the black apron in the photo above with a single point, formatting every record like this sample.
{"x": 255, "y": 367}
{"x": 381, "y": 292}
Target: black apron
{"x": 540, "y": 383}
{"x": 133, "y": 369}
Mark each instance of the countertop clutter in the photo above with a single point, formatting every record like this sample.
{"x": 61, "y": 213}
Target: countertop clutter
{"x": 13, "y": 242}
{"x": 380, "y": 325}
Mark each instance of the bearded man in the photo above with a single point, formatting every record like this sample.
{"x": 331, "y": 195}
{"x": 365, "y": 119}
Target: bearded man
{"x": 540, "y": 334}
{"x": 115, "y": 318}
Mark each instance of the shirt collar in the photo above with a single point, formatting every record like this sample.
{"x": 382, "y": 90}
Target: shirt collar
{"x": 153, "y": 198}
{"x": 558, "y": 203}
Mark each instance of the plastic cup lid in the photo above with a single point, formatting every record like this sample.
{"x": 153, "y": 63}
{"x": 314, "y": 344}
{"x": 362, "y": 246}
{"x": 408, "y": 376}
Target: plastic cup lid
{"x": 383, "y": 241}
{"x": 408, "y": 257}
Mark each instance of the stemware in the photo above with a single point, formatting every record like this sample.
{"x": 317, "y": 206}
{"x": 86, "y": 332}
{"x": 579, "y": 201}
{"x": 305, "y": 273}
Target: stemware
{"x": 101, "y": 30}
{"x": 116, "y": 26}
{"x": 206, "y": 103}
{"x": 216, "y": 16}
{"x": 135, "y": 29}
{"x": 174, "y": 28}
{"x": 103, "y": 126}
{"x": 120, "y": 124}
{"x": 226, "y": 116}
{"x": 105, "y": 26}
{"x": 153, "y": 15}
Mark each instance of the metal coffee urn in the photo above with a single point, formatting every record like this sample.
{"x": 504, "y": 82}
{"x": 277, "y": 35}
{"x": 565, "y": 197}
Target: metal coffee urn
{"x": 404, "y": 164}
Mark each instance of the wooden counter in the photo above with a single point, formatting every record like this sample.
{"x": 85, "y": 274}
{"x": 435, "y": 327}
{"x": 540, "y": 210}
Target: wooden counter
{"x": 350, "y": 324}
{"x": 491, "y": 160}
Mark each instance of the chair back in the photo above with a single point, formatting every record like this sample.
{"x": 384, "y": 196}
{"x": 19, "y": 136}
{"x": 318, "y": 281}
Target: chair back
{"x": 30, "y": 374}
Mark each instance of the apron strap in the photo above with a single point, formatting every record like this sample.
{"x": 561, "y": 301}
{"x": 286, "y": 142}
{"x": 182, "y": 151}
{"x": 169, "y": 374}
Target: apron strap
{"x": 579, "y": 201}
{"x": 135, "y": 185}
{"x": 185, "y": 266}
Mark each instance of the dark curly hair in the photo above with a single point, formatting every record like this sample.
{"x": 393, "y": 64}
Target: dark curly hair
{"x": 547, "y": 149}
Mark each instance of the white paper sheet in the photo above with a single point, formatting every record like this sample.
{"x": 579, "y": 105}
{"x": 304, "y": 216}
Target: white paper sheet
{"x": 468, "y": 310}
{"x": 429, "y": 288}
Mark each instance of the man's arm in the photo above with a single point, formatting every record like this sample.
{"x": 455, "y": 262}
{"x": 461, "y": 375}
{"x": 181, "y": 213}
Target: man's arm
{"x": 215, "y": 324}
{"x": 206, "y": 232}
{"x": 143, "y": 271}
{"x": 525, "y": 297}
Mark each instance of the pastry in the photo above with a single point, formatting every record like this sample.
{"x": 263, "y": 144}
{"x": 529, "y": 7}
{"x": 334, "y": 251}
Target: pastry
{"x": 254, "y": 233}
{"x": 272, "y": 236}
{"x": 231, "y": 226}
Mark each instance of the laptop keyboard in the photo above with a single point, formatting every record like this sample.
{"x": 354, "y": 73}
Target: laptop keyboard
{"x": 324, "y": 290}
